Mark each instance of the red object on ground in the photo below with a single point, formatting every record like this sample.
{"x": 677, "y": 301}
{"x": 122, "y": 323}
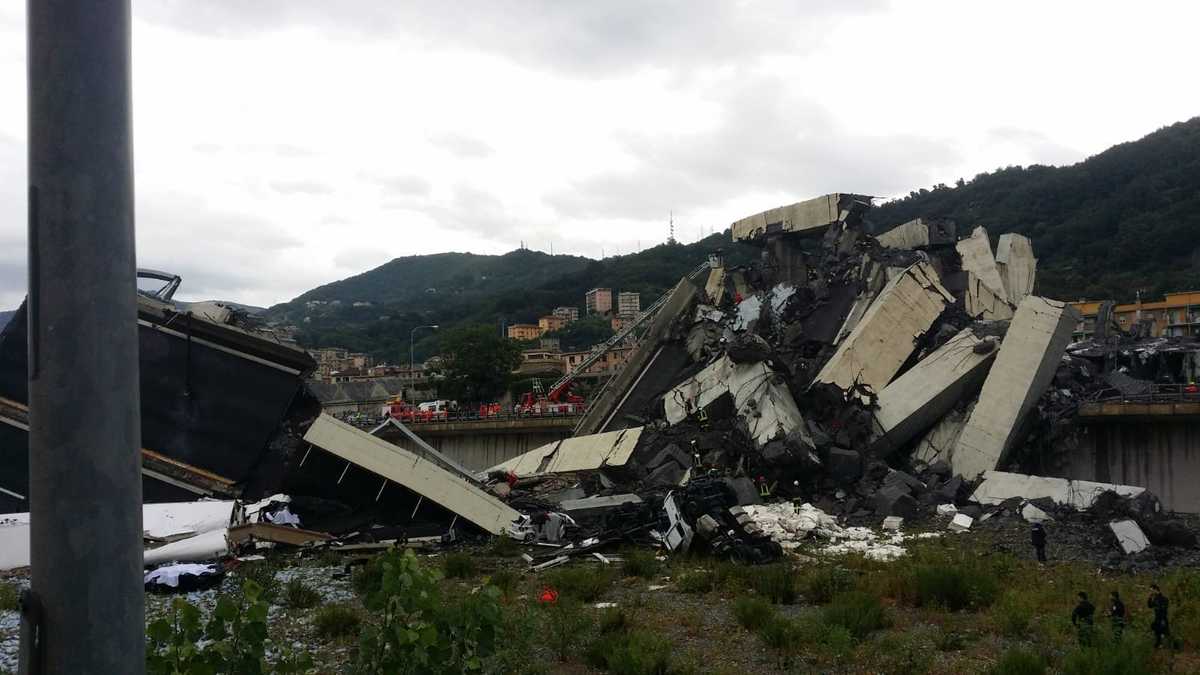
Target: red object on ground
{"x": 549, "y": 596}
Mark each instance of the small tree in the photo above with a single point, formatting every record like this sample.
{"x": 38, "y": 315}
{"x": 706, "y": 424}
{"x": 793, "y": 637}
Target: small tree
{"x": 477, "y": 363}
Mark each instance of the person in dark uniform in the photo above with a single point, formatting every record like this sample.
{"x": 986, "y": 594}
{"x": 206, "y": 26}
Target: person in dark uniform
{"x": 1160, "y": 625}
{"x": 1082, "y": 618}
{"x": 1116, "y": 614}
{"x": 1039, "y": 541}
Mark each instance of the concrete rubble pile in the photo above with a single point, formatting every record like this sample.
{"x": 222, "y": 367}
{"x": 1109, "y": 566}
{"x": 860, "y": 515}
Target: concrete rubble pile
{"x": 846, "y": 393}
{"x": 840, "y": 395}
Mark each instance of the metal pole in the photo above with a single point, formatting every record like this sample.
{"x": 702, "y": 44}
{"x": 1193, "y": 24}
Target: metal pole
{"x": 84, "y": 418}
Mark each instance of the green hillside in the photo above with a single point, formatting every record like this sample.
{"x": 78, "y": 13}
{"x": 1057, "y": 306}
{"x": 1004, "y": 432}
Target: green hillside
{"x": 1125, "y": 220}
{"x": 376, "y": 310}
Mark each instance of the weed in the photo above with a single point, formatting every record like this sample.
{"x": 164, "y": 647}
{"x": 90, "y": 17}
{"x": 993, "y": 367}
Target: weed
{"x": 298, "y": 595}
{"x": 777, "y": 583}
{"x": 613, "y": 620}
{"x": 585, "y": 584}
{"x": 9, "y": 596}
{"x": 262, "y": 573}
{"x": 696, "y": 581}
{"x": 1133, "y": 655}
{"x": 631, "y": 652}
{"x": 459, "y": 566}
{"x": 566, "y": 622}
{"x": 368, "y": 579}
{"x": 504, "y": 547}
{"x": 954, "y": 587}
{"x": 820, "y": 584}
{"x": 334, "y": 621}
{"x": 903, "y": 654}
{"x": 733, "y": 577}
{"x": 858, "y": 612}
{"x": 753, "y": 613}
{"x": 1013, "y": 614}
{"x": 781, "y": 633}
{"x": 949, "y": 640}
{"x": 640, "y": 563}
{"x": 506, "y": 580}
{"x": 1017, "y": 661}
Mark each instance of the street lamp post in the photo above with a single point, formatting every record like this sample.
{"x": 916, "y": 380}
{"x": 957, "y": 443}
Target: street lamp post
{"x": 411, "y": 360}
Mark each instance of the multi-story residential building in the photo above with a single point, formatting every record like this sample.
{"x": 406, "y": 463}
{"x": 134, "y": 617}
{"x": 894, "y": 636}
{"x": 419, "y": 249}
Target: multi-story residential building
{"x": 551, "y": 323}
{"x": 1177, "y": 314}
{"x": 620, "y": 321}
{"x": 599, "y": 301}
{"x": 524, "y": 331}
{"x": 607, "y": 365}
{"x": 568, "y": 313}
{"x": 628, "y": 303}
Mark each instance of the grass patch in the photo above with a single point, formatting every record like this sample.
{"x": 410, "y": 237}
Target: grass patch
{"x": 1133, "y": 655}
{"x": 631, "y": 652}
{"x": 299, "y": 595}
{"x": 1017, "y": 661}
{"x": 954, "y": 587}
{"x": 459, "y": 566}
{"x": 696, "y": 581}
{"x": 263, "y": 574}
{"x": 506, "y": 580}
{"x": 640, "y": 563}
{"x": 586, "y": 584}
{"x": 733, "y": 577}
{"x": 781, "y": 633}
{"x": 368, "y": 579}
{"x": 504, "y": 547}
{"x": 9, "y": 596}
{"x": 860, "y": 613}
{"x": 753, "y": 613}
{"x": 907, "y": 653}
{"x": 334, "y": 621}
{"x": 820, "y": 584}
{"x": 566, "y": 622}
{"x": 1013, "y": 615}
{"x": 777, "y": 583}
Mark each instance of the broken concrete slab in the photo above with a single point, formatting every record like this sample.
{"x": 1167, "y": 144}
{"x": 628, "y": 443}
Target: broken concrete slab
{"x": 919, "y": 398}
{"x": 809, "y": 216}
{"x": 425, "y": 478}
{"x": 892, "y": 523}
{"x": 938, "y": 443}
{"x": 760, "y": 396}
{"x": 714, "y": 288}
{"x": 1017, "y": 266}
{"x": 1129, "y": 536}
{"x": 844, "y": 465}
{"x": 581, "y": 453}
{"x": 590, "y": 507}
{"x": 895, "y": 501}
{"x": 278, "y": 534}
{"x": 1032, "y": 514}
{"x": 885, "y": 337}
{"x": 919, "y": 233}
{"x": 983, "y": 303}
{"x": 998, "y": 486}
{"x": 1024, "y": 367}
{"x": 947, "y": 510}
{"x": 976, "y": 253}
{"x": 960, "y": 523}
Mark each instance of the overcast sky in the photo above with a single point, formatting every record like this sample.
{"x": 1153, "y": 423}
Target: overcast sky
{"x": 281, "y": 144}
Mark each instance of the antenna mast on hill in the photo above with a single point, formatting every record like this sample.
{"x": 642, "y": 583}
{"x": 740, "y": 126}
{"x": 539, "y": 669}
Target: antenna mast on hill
{"x": 671, "y": 237}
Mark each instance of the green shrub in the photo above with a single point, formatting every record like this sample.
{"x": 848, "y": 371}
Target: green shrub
{"x": 613, "y": 620}
{"x": 1017, "y": 661}
{"x": 9, "y": 597}
{"x": 781, "y": 633}
{"x": 696, "y": 581}
{"x": 903, "y": 654}
{"x": 954, "y": 587}
{"x": 1013, "y": 615}
{"x": 566, "y": 623}
{"x": 1133, "y": 655}
{"x": 458, "y": 566}
{"x": 423, "y": 631}
{"x": 232, "y": 641}
{"x": 298, "y": 595}
{"x": 586, "y": 584}
{"x": 820, "y": 584}
{"x": 733, "y": 577}
{"x": 640, "y": 563}
{"x": 367, "y": 579}
{"x": 640, "y": 652}
{"x": 752, "y": 613}
{"x": 777, "y": 583}
{"x": 506, "y": 580}
{"x": 262, "y": 573}
{"x": 504, "y": 547}
{"x": 334, "y": 621}
{"x": 860, "y": 613}
{"x": 949, "y": 640}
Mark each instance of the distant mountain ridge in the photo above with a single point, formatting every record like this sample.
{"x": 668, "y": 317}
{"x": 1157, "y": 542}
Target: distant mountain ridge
{"x": 1122, "y": 221}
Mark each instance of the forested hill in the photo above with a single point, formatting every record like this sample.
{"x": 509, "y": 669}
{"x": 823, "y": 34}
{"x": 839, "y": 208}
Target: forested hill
{"x": 1127, "y": 219}
{"x": 375, "y": 311}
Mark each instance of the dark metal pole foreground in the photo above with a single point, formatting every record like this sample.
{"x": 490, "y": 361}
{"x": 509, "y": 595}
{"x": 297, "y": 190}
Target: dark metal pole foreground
{"x": 84, "y": 418}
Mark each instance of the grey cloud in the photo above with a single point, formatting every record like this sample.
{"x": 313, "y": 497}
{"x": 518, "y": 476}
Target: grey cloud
{"x": 767, "y": 141}
{"x": 464, "y": 147}
{"x": 595, "y": 37}
{"x": 403, "y": 185}
{"x": 360, "y": 258}
{"x": 308, "y": 187}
